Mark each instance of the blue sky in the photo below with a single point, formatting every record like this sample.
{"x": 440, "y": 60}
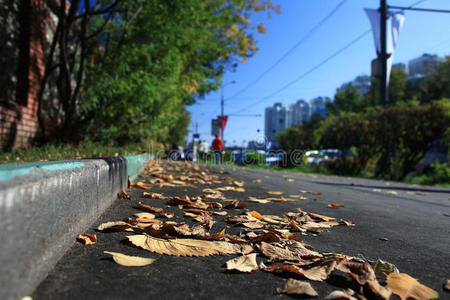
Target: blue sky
{"x": 423, "y": 32}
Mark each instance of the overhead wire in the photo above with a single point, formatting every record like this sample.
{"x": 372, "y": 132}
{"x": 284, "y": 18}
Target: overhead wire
{"x": 287, "y": 53}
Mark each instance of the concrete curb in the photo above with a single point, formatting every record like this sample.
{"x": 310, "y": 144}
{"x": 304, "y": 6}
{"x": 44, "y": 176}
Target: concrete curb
{"x": 44, "y": 206}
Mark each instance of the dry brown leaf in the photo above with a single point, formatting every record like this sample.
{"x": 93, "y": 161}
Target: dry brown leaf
{"x": 141, "y": 185}
{"x": 115, "y": 225}
{"x": 318, "y": 272}
{"x": 234, "y": 248}
{"x": 256, "y": 200}
{"x": 146, "y": 207}
{"x": 236, "y": 204}
{"x": 154, "y": 196}
{"x": 339, "y": 295}
{"x": 297, "y": 287}
{"x": 447, "y": 285}
{"x": 130, "y": 261}
{"x": 385, "y": 239}
{"x": 220, "y": 213}
{"x": 123, "y": 195}
{"x": 244, "y": 263}
{"x": 257, "y": 181}
{"x": 254, "y": 224}
{"x": 321, "y": 217}
{"x": 384, "y": 268}
{"x": 275, "y": 193}
{"x": 87, "y": 239}
{"x": 316, "y": 193}
{"x": 335, "y": 205}
{"x": 238, "y": 183}
{"x": 406, "y": 287}
{"x": 302, "y": 198}
{"x": 145, "y": 215}
{"x": 230, "y": 188}
{"x": 296, "y": 251}
{"x": 166, "y": 215}
{"x": 176, "y": 247}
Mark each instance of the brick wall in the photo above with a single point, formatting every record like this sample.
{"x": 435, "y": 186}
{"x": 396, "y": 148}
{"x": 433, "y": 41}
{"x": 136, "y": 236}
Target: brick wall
{"x": 18, "y": 119}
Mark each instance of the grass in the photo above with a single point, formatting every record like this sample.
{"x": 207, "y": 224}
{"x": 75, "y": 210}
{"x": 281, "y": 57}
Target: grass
{"x": 54, "y": 152}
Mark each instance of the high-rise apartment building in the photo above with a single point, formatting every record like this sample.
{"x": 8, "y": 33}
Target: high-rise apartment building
{"x": 319, "y": 105}
{"x": 277, "y": 118}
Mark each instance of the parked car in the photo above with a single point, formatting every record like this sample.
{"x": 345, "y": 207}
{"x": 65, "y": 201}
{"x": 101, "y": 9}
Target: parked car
{"x": 274, "y": 158}
{"x": 314, "y": 157}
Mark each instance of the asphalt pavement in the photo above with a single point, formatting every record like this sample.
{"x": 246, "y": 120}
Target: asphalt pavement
{"x": 407, "y": 225}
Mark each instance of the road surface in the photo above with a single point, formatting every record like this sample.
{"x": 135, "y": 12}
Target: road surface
{"x": 414, "y": 222}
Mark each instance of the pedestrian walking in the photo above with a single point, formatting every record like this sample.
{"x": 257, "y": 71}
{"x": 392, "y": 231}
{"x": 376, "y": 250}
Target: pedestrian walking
{"x": 217, "y": 145}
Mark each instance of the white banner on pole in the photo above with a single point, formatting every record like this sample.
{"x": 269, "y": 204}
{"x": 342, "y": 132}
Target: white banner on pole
{"x": 394, "y": 24}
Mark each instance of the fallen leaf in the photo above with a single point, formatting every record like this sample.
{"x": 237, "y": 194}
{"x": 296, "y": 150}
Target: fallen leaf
{"x": 321, "y": 217}
{"x": 123, "y": 195}
{"x": 384, "y": 268}
{"x": 406, "y": 287}
{"x": 146, "y": 207}
{"x": 166, "y": 215}
{"x": 191, "y": 215}
{"x": 154, "y": 196}
{"x": 236, "y": 204}
{"x": 256, "y": 200}
{"x": 293, "y": 252}
{"x": 141, "y": 185}
{"x": 339, "y": 295}
{"x": 288, "y": 179}
{"x": 274, "y": 193}
{"x": 257, "y": 215}
{"x": 130, "y": 261}
{"x": 145, "y": 215}
{"x": 257, "y": 181}
{"x": 176, "y": 247}
{"x": 318, "y": 272}
{"x": 303, "y": 198}
{"x": 383, "y": 239}
{"x": 238, "y": 183}
{"x": 447, "y": 285}
{"x": 87, "y": 239}
{"x": 220, "y": 213}
{"x": 297, "y": 287}
{"x": 115, "y": 225}
{"x": 244, "y": 263}
{"x": 335, "y": 205}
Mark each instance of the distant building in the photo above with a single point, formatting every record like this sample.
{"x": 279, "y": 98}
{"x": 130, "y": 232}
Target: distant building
{"x": 399, "y": 66}
{"x": 420, "y": 66}
{"x": 361, "y": 83}
{"x": 300, "y": 113}
{"x": 277, "y": 118}
{"x": 319, "y": 105}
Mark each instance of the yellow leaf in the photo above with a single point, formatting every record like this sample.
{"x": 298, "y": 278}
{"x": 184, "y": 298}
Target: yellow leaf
{"x": 141, "y": 185}
{"x": 407, "y": 287}
{"x": 274, "y": 193}
{"x": 130, "y": 261}
{"x": 257, "y": 215}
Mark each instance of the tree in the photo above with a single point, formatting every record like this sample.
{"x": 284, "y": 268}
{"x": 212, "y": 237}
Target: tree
{"x": 126, "y": 69}
{"x": 436, "y": 85}
{"x": 347, "y": 99}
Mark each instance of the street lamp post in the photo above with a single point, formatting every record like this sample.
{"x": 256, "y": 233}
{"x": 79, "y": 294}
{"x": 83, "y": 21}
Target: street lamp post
{"x": 222, "y": 103}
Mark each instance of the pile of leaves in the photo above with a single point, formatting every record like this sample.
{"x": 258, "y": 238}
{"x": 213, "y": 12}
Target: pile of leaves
{"x": 266, "y": 243}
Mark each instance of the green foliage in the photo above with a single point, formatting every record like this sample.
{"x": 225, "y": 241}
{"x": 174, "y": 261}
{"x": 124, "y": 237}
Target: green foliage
{"x": 398, "y": 136}
{"x": 295, "y": 138}
{"x": 160, "y": 55}
{"x": 86, "y": 149}
{"x": 437, "y": 84}
{"x": 439, "y": 174}
{"x": 346, "y": 99}
{"x": 255, "y": 158}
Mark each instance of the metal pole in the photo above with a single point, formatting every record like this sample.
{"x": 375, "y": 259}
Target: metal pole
{"x": 383, "y": 56}
{"x": 221, "y": 115}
